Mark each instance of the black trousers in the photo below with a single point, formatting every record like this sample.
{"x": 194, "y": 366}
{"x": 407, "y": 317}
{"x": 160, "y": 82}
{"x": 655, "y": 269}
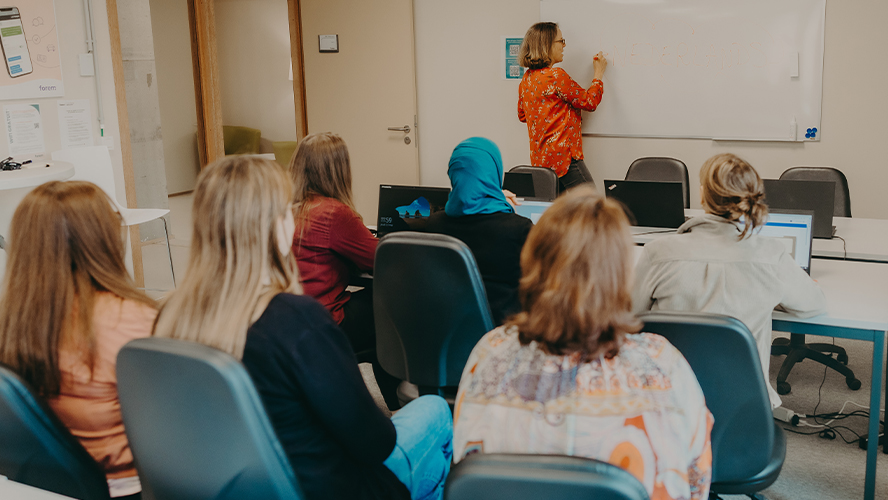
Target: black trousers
{"x": 358, "y": 326}
{"x": 576, "y": 175}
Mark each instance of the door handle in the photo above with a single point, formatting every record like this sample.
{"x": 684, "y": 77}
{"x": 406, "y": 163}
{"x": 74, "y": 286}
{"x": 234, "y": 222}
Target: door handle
{"x": 405, "y": 129}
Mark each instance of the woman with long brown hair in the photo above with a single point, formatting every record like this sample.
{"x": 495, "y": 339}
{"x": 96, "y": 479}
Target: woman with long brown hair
{"x": 242, "y": 295}
{"x": 569, "y": 374}
{"x": 331, "y": 242}
{"x": 68, "y": 306}
{"x": 718, "y": 264}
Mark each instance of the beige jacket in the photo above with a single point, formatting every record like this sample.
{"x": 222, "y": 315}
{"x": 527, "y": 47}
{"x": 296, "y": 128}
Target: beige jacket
{"x": 705, "y": 268}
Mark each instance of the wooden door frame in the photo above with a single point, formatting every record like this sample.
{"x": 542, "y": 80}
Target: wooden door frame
{"x": 297, "y": 56}
{"x": 126, "y": 150}
{"x": 207, "y": 91}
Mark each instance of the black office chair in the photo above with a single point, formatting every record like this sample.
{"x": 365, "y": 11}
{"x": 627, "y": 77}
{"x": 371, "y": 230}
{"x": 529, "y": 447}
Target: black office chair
{"x": 196, "y": 425}
{"x": 500, "y": 476}
{"x": 795, "y": 348}
{"x": 658, "y": 168}
{"x": 828, "y": 174}
{"x": 545, "y": 182}
{"x": 430, "y": 309}
{"x": 748, "y": 448}
{"x": 36, "y": 449}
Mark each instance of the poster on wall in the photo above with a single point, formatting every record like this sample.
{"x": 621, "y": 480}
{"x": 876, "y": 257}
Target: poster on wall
{"x": 30, "y": 45}
{"x": 24, "y": 129}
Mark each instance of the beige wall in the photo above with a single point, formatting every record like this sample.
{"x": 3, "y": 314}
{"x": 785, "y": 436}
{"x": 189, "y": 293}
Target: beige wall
{"x": 460, "y": 94}
{"x": 175, "y": 87}
{"x": 254, "y": 62}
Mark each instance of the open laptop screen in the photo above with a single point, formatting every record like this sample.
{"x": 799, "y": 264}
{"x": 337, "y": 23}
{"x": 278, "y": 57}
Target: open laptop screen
{"x": 407, "y": 208}
{"x": 533, "y": 210}
{"x": 794, "y": 230}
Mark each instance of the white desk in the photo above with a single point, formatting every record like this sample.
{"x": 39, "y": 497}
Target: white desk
{"x": 15, "y": 184}
{"x": 857, "y": 300}
{"x": 865, "y": 239}
{"x": 18, "y": 491}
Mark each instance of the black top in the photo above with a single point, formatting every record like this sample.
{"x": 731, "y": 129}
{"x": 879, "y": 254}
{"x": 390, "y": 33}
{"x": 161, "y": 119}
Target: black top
{"x": 333, "y": 433}
{"x": 496, "y": 241}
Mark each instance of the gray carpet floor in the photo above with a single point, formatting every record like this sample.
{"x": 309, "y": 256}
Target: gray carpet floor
{"x": 815, "y": 468}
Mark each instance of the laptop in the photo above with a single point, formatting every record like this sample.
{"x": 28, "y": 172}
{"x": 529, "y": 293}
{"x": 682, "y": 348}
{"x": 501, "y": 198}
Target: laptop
{"x": 649, "y": 203}
{"x": 533, "y": 210}
{"x": 795, "y": 229}
{"x": 407, "y": 208}
{"x": 519, "y": 183}
{"x": 819, "y": 196}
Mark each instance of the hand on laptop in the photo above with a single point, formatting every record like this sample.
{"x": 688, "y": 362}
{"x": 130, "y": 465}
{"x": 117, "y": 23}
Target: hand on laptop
{"x": 512, "y": 198}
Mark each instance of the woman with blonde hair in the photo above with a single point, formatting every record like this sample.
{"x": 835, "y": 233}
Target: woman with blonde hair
{"x": 242, "y": 295}
{"x": 550, "y": 102}
{"x": 717, "y": 263}
{"x": 331, "y": 242}
{"x": 569, "y": 374}
{"x": 68, "y": 305}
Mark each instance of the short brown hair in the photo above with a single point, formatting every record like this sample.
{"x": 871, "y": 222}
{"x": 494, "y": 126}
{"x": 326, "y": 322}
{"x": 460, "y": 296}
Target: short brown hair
{"x": 731, "y": 189}
{"x": 576, "y": 285}
{"x": 538, "y": 40}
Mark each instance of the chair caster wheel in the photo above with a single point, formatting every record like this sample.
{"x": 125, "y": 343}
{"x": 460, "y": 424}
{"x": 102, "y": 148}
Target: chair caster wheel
{"x": 784, "y": 388}
{"x": 842, "y": 358}
{"x": 853, "y": 383}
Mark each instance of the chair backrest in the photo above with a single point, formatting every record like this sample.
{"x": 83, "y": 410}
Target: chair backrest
{"x": 36, "y": 449}
{"x": 723, "y": 355}
{"x": 658, "y": 168}
{"x": 93, "y": 164}
{"x": 518, "y": 477}
{"x": 545, "y": 182}
{"x": 843, "y": 195}
{"x": 429, "y": 305}
{"x": 196, "y": 425}
{"x": 240, "y": 140}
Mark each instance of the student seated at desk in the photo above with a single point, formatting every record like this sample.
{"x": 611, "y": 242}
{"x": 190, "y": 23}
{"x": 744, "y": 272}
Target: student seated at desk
{"x": 332, "y": 241}
{"x": 715, "y": 264}
{"x": 242, "y": 295}
{"x": 569, "y": 374}
{"x": 478, "y": 213}
{"x": 68, "y": 306}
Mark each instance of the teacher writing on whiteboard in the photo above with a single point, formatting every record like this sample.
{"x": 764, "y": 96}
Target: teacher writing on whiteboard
{"x": 549, "y": 101}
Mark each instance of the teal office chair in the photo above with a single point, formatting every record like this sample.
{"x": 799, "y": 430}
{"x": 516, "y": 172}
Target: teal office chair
{"x": 658, "y": 168}
{"x": 430, "y": 310}
{"x": 36, "y": 449}
{"x": 531, "y": 477}
{"x": 196, "y": 425}
{"x": 748, "y": 448}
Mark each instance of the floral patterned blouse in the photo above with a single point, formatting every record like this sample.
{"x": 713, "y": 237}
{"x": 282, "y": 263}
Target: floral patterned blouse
{"x": 549, "y": 101}
{"x": 642, "y": 410}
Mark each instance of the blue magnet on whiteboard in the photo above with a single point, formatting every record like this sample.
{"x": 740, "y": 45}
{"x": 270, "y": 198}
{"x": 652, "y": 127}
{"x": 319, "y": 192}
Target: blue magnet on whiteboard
{"x": 811, "y": 133}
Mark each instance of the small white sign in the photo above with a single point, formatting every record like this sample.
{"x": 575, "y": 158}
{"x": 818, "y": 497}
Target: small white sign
{"x": 24, "y": 129}
{"x": 75, "y": 123}
{"x": 328, "y": 43}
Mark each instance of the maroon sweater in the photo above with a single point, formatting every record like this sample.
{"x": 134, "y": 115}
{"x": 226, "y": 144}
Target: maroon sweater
{"x": 333, "y": 243}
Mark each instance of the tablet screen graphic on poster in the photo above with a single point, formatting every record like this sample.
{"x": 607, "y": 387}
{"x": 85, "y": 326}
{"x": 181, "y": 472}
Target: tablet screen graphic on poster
{"x": 32, "y": 62}
{"x": 710, "y": 69}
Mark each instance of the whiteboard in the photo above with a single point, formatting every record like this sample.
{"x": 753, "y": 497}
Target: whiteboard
{"x": 714, "y": 69}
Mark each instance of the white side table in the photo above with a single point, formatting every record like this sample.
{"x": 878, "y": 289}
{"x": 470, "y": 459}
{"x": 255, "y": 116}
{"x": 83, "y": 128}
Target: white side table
{"x": 15, "y": 184}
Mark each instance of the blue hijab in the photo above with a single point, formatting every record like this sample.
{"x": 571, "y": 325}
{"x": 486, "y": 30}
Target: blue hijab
{"x": 476, "y": 175}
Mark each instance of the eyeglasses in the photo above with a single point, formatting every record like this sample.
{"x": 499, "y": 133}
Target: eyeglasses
{"x": 562, "y": 41}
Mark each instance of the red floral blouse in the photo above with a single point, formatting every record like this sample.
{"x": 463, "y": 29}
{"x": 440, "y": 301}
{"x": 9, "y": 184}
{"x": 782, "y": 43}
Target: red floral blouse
{"x": 549, "y": 101}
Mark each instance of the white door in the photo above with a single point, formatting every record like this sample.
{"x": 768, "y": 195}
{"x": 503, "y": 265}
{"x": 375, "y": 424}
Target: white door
{"x": 365, "y": 89}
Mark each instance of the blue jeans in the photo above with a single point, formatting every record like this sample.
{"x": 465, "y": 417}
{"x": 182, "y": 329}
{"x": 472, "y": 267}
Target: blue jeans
{"x": 421, "y": 458}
